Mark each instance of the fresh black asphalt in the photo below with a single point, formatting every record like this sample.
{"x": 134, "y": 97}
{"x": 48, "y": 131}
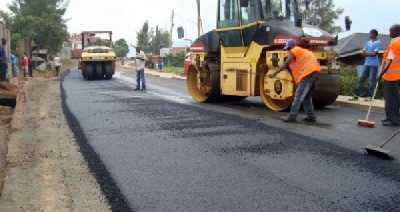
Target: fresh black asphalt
{"x": 151, "y": 154}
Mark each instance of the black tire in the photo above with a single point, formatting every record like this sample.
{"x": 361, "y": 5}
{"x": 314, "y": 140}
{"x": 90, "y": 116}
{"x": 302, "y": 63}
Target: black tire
{"x": 99, "y": 71}
{"x": 108, "y": 71}
{"x": 89, "y": 72}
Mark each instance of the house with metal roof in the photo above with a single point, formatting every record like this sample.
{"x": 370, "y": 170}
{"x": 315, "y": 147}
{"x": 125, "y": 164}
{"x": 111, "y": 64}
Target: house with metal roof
{"x": 350, "y": 47}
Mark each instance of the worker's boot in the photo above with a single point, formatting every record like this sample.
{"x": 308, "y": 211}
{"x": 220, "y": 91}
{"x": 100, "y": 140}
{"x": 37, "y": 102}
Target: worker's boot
{"x": 355, "y": 98}
{"x": 288, "y": 119}
{"x": 309, "y": 119}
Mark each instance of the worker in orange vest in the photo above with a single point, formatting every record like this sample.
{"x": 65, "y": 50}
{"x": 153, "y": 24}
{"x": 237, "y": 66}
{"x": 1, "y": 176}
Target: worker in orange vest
{"x": 305, "y": 69}
{"x": 391, "y": 75}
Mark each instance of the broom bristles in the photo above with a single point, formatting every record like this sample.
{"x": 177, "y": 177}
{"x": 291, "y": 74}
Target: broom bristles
{"x": 377, "y": 151}
{"x": 366, "y": 123}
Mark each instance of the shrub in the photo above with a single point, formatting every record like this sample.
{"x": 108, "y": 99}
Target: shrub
{"x": 349, "y": 82}
{"x": 176, "y": 60}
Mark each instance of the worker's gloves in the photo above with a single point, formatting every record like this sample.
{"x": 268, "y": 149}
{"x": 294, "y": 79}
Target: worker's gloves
{"x": 273, "y": 75}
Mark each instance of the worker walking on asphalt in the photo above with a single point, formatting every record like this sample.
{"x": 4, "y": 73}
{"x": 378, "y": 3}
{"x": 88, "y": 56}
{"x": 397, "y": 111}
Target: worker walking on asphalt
{"x": 391, "y": 64}
{"x": 371, "y": 65}
{"x": 305, "y": 69}
{"x": 140, "y": 65}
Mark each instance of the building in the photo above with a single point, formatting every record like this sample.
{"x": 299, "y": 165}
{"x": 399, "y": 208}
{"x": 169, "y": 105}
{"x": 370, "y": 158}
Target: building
{"x": 176, "y": 50}
{"x": 75, "y": 42}
{"x": 73, "y": 48}
{"x": 350, "y": 48}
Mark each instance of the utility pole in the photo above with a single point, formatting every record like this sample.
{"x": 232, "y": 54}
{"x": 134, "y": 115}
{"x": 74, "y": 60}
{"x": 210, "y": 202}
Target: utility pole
{"x": 170, "y": 32}
{"x": 198, "y": 18}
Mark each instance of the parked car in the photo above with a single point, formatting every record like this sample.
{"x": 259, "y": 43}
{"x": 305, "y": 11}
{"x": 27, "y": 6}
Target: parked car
{"x": 186, "y": 63}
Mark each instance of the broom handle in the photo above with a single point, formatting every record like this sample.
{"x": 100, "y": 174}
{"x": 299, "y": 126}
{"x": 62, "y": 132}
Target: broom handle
{"x": 372, "y": 100}
{"x": 390, "y": 138}
{"x": 376, "y": 88}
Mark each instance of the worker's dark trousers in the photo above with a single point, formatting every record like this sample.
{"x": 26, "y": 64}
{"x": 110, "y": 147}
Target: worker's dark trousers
{"x": 3, "y": 69}
{"x": 303, "y": 95}
{"x": 392, "y": 101}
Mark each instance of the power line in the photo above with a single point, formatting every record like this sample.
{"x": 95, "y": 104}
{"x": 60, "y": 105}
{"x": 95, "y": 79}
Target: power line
{"x": 185, "y": 19}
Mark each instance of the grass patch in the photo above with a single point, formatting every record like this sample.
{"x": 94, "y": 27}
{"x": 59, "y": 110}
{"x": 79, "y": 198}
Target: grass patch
{"x": 173, "y": 69}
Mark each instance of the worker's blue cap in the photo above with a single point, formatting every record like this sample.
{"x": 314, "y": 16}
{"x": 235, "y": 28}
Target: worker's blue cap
{"x": 289, "y": 43}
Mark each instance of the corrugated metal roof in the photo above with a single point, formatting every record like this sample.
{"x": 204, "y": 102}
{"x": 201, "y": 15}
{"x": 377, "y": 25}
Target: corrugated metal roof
{"x": 356, "y": 42}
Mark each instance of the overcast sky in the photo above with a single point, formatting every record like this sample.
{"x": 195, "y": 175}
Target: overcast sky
{"x": 126, "y": 17}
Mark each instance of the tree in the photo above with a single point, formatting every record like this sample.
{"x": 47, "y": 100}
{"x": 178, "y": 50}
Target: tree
{"x": 40, "y": 20}
{"x": 149, "y": 40}
{"x": 321, "y": 13}
{"x": 121, "y": 48}
{"x": 144, "y": 37}
{"x": 161, "y": 37}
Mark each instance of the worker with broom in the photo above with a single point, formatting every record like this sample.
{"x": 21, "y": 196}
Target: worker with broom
{"x": 305, "y": 69}
{"x": 391, "y": 75}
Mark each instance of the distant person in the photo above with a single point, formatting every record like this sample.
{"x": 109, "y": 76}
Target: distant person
{"x": 88, "y": 42}
{"x": 3, "y": 60}
{"x": 305, "y": 69}
{"x": 57, "y": 65}
{"x": 24, "y": 64}
{"x": 160, "y": 65}
{"x": 371, "y": 66}
{"x": 14, "y": 64}
{"x": 391, "y": 64}
{"x": 140, "y": 65}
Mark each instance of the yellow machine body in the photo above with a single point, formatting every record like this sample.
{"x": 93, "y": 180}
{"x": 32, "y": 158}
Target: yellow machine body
{"x": 247, "y": 52}
{"x": 97, "y": 61}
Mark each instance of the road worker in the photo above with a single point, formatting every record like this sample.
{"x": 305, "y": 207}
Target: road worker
{"x": 391, "y": 75}
{"x": 305, "y": 69}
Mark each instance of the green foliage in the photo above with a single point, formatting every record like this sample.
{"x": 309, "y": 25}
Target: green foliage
{"x": 40, "y": 20}
{"x": 121, "y": 48}
{"x": 349, "y": 82}
{"x": 321, "y": 13}
{"x": 143, "y": 37}
{"x": 172, "y": 69}
{"x": 161, "y": 37}
{"x": 176, "y": 60}
{"x": 149, "y": 40}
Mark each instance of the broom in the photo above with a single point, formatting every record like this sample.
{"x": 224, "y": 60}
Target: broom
{"x": 378, "y": 150}
{"x": 365, "y": 122}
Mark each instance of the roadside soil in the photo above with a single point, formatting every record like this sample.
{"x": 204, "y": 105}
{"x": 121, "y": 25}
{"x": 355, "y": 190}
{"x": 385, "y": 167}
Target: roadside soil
{"x": 44, "y": 169}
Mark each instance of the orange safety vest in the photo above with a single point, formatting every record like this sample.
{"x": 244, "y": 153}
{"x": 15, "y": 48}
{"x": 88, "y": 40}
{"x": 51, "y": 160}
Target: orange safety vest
{"x": 304, "y": 64}
{"x": 393, "y": 73}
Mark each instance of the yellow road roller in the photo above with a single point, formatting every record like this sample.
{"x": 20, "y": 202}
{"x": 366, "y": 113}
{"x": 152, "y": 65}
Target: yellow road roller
{"x": 231, "y": 62}
{"x": 97, "y": 61}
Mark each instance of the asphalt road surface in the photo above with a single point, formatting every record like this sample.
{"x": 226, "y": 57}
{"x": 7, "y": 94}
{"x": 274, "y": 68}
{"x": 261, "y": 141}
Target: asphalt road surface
{"x": 160, "y": 151}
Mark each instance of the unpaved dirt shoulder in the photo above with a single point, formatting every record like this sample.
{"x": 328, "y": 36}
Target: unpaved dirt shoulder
{"x": 45, "y": 170}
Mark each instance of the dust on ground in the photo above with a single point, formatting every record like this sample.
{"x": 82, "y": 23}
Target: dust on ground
{"x": 44, "y": 169}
